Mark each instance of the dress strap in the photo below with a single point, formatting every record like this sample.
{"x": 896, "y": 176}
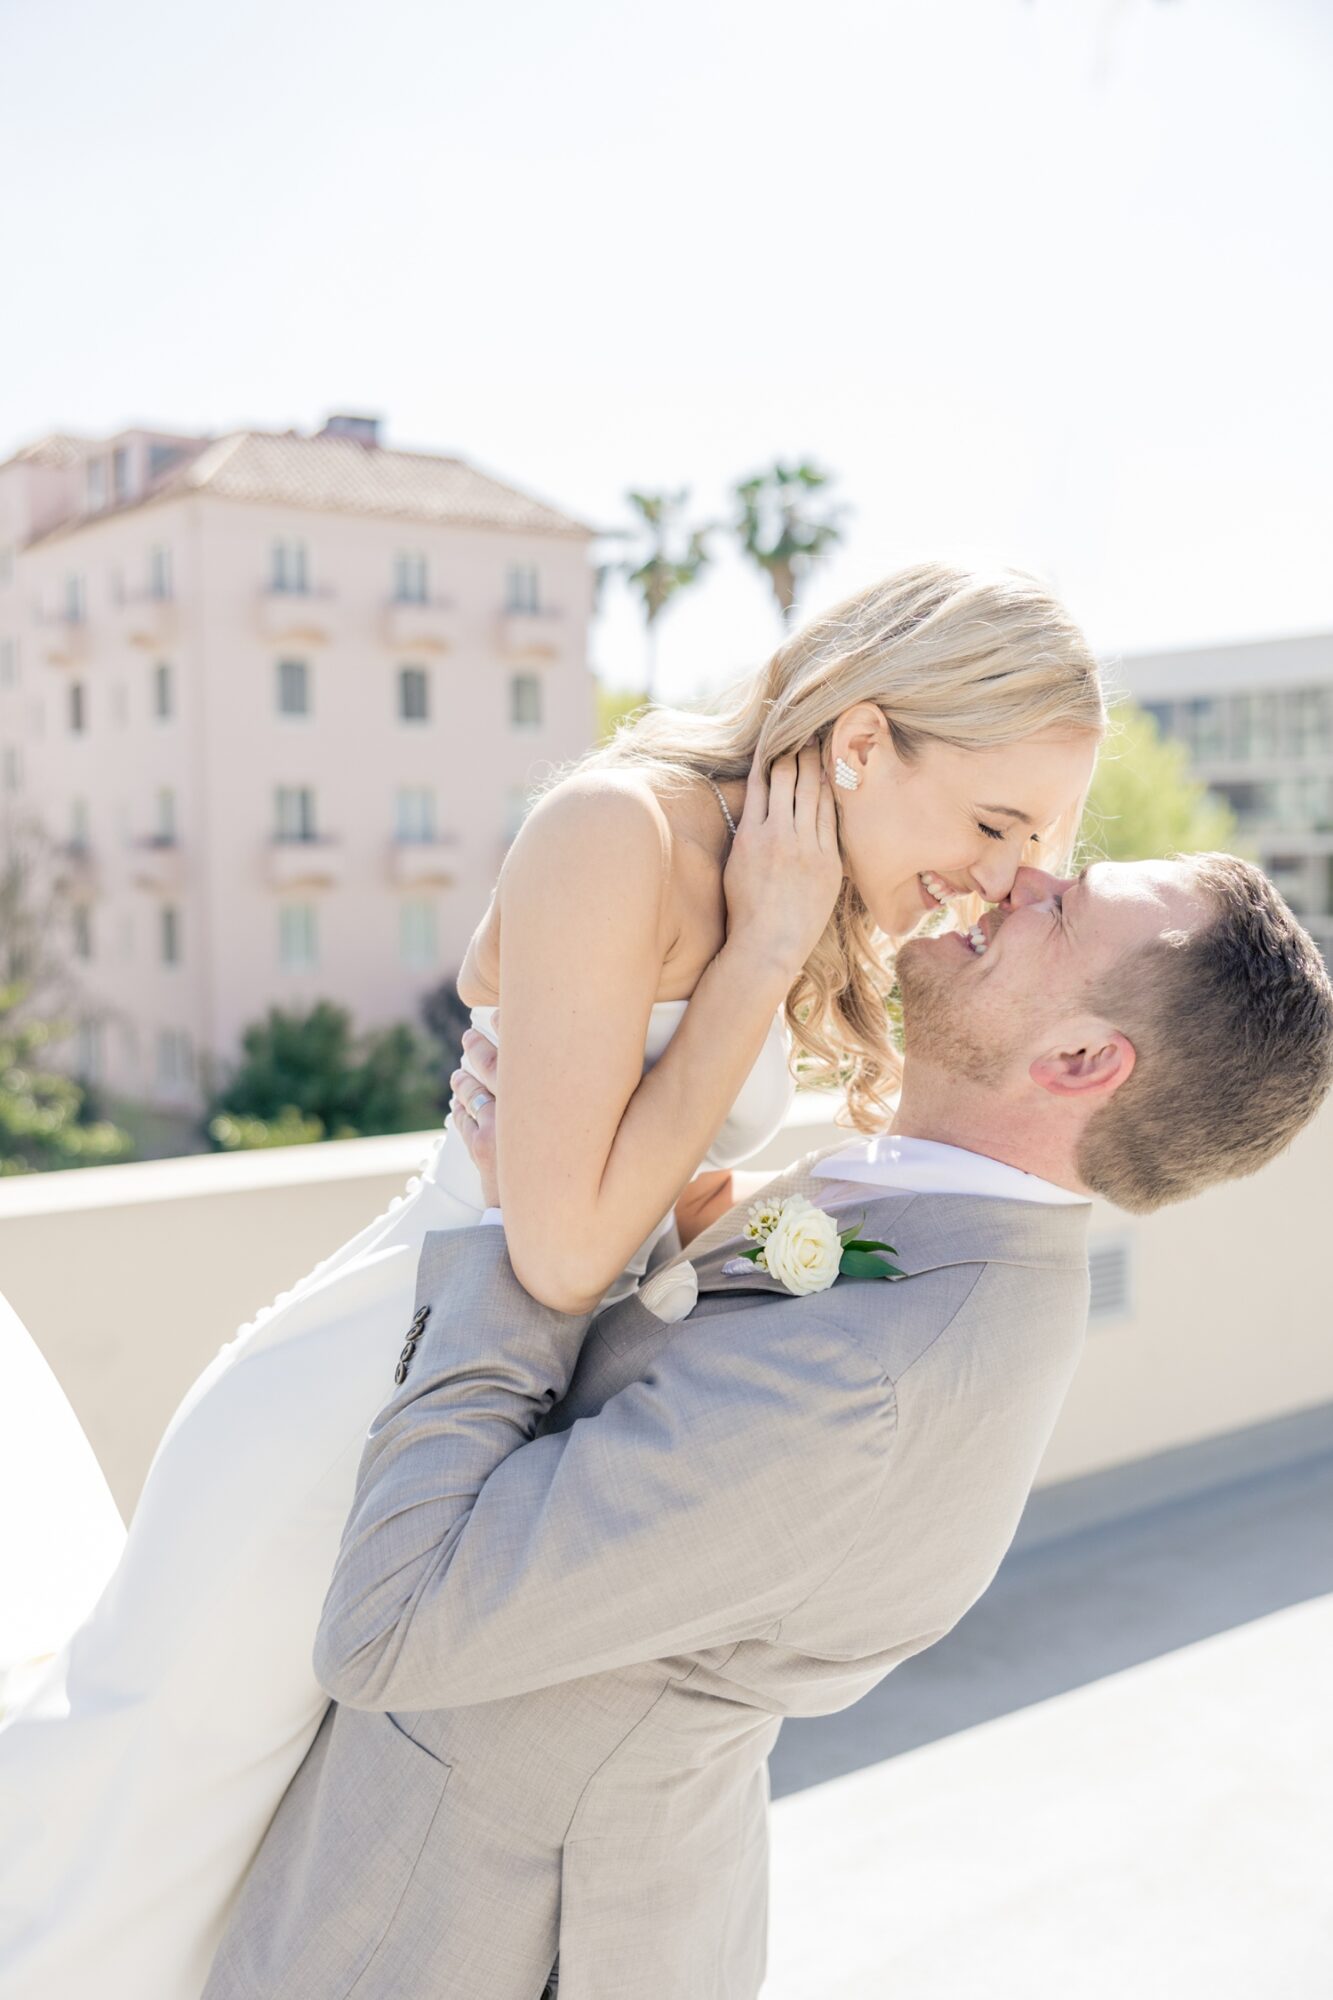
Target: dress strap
{"x": 717, "y": 792}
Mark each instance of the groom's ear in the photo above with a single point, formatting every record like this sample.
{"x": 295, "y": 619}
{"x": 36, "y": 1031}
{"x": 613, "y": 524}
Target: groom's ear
{"x": 1088, "y": 1067}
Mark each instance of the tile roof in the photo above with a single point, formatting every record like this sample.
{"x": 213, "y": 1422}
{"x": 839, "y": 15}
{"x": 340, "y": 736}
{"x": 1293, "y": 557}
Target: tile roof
{"x": 345, "y": 477}
{"x": 58, "y": 448}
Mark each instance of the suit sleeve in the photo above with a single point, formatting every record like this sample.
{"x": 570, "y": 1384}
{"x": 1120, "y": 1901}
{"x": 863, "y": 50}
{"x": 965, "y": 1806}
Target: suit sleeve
{"x": 697, "y": 1507}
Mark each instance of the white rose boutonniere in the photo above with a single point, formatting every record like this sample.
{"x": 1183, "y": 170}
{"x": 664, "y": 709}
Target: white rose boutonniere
{"x": 802, "y": 1247}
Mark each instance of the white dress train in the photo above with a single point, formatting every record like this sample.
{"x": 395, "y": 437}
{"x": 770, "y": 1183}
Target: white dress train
{"x": 138, "y": 1777}
{"x": 61, "y": 1534}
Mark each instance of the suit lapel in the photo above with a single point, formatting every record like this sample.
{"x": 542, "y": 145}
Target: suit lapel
{"x": 725, "y": 1239}
{"x": 941, "y": 1230}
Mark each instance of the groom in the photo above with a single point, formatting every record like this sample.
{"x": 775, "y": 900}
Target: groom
{"x": 587, "y": 1573}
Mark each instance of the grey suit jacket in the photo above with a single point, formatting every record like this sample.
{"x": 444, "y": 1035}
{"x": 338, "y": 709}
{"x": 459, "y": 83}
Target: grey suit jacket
{"x": 584, "y": 1579}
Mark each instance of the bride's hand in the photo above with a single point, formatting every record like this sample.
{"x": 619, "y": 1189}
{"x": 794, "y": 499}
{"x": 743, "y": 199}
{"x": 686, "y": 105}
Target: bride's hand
{"x": 784, "y": 872}
{"x": 473, "y": 1106}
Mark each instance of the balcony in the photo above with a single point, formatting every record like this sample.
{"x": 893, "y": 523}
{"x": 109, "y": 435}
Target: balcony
{"x": 63, "y": 640}
{"x": 288, "y": 617}
{"x": 74, "y": 872}
{"x": 415, "y": 864}
{"x": 531, "y": 635}
{"x": 417, "y": 625}
{"x": 158, "y": 864}
{"x": 147, "y": 621}
{"x": 314, "y": 863}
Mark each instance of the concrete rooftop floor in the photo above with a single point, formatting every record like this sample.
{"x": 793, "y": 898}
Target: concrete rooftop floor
{"x": 1113, "y": 1778}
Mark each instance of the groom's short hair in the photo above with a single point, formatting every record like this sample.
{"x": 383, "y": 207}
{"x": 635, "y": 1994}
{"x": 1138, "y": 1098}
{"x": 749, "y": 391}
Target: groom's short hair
{"x": 1232, "y": 1025}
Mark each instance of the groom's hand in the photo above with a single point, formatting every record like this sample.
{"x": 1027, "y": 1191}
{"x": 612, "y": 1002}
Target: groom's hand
{"x": 473, "y": 1106}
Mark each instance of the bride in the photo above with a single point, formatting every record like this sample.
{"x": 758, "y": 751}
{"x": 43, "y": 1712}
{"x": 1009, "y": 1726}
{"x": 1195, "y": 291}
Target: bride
{"x": 684, "y": 915}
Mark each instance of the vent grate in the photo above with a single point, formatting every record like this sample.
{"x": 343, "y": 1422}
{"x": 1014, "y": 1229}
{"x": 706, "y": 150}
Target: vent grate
{"x": 1108, "y": 1268}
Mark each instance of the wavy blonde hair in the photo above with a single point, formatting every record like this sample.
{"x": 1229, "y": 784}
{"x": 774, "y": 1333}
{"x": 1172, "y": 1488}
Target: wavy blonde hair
{"x": 972, "y": 659}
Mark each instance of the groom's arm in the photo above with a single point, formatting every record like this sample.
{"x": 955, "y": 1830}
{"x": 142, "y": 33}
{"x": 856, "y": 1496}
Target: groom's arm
{"x": 698, "y": 1506}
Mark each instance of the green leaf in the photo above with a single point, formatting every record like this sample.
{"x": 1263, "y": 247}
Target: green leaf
{"x": 867, "y": 1243}
{"x": 865, "y": 1264}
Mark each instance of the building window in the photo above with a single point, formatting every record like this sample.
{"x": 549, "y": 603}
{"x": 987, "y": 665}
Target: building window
{"x": 169, "y": 934}
{"x": 9, "y": 674}
{"x": 165, "y": 829}
{"x": 96, "y": 483}
{"x": 1265, "y": 725}
{"x": 161, "y": 457}
{"x": 74, "y": 599}
{"x": 294, "y": 813}
{"x": 414, "y": 813}
{"x": 293, "y": 687}
{"x": 1240, "y": 735}
{"x": 521, "y": 587}
{"x": 413, "y": 698}
{"x": 81, "y": 923}
{"x": 297, "y": 941}
{"x": 11, "y": 767}
{"x": 525, "y": 701}
{"x": 120, "y": 473}
{"x": 289, "y": 571}
{"x": 159, "y": 572}
{"x": 162, "y": 691}
{"x": 416, "y": 934}
{"x": 410, "y": 577}
{"x": 78, "y": 823}
{"x": 516, "y": 809}
{"x": 78, "y": 719}
{"x": 175, "y": 1057}
{"x": 1307, "y": 726}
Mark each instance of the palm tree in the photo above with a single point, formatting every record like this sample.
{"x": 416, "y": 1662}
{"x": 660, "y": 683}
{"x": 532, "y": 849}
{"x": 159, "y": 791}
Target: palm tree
{"x": 779, "y": 532}
{"x": 670, "y": 561}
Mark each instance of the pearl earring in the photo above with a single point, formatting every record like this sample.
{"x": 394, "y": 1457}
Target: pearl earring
{"x": 845, "y": 776}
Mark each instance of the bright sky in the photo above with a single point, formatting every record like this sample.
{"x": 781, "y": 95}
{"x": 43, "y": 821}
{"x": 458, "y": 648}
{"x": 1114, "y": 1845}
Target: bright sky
{"x": 1042, "y": 280}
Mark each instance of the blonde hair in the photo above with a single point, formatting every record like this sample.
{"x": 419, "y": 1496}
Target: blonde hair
{"x": 951, "y": 656}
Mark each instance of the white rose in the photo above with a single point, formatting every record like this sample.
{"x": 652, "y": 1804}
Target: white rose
{"x": 804, "y": 1251}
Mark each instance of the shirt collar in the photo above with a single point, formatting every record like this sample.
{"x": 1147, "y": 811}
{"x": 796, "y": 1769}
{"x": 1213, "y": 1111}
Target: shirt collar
{"x": 925, "y": 1166}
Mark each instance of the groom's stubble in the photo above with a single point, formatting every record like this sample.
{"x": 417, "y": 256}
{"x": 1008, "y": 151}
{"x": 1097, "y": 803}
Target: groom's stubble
{"x": 937, "y": 1028}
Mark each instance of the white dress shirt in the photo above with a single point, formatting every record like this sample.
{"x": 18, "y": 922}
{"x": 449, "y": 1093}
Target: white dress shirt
{"x": 925, "y": 1166}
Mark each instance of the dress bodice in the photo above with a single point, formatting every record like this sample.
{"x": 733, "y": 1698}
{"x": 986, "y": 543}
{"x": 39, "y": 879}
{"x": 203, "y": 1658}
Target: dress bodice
{"x": 756, "y": 1115}
{"x": 765, "y": 1096}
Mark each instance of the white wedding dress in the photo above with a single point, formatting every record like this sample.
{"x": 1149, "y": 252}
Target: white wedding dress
{"x": 139, "y": 1775}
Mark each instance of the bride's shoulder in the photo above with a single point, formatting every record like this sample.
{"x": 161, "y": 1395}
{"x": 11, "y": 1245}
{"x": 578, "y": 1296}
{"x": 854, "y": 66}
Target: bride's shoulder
{"x": 590, "y": 823}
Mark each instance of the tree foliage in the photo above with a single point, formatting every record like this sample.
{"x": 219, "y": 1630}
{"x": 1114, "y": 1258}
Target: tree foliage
{"x": 670, "y": 558}
{"x": 304, "y": 1077}
{"x": 445, "y": 1016}
{"x": 47, "y": 1120}
{"x": 1143, "y": 802}
{"x": 614, "y": 706}
{"x": 42, "y": 1121}
{"x": 781, "y": 531}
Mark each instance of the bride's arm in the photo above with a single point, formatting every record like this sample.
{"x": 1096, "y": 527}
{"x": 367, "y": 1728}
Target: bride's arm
{"x": 591, "y": 1152}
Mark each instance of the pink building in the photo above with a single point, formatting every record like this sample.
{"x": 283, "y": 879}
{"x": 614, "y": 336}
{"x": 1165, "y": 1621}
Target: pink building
{"x": 280, "y": 699}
